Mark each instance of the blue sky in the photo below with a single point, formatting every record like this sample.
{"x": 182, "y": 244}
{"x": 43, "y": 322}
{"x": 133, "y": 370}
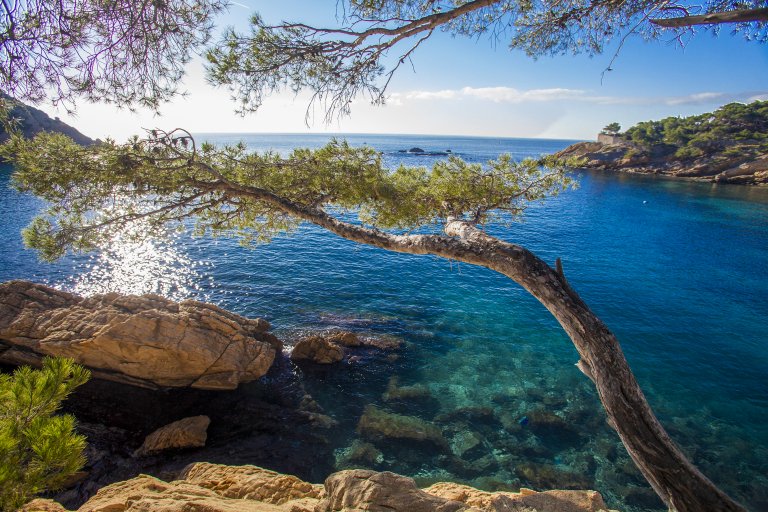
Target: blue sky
{"x": 461, "y": 86}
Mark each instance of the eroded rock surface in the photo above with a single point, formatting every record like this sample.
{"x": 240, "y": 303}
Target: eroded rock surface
{"x": 526, "y": 499}
{"x": 217, "y": 488}
{"x": 317, "y": 349}
{"x": 186, "y": 433}
{"x": 143, "y": 340}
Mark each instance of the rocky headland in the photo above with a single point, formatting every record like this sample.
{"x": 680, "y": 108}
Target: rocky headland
{"x": 729, "y": 145}
{"x": 32, "y": 121}
{"x": 745, "y": 167}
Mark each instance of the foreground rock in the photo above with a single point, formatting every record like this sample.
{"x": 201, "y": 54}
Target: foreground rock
{"x": 186, "y": 433}
{"x": 737, "y": 167}
{"x": 140, "y": 340}
{"x": 216, "y": 488}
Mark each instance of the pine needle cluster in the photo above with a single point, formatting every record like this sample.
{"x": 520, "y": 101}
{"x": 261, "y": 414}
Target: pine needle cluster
{"x": 39, "y": 449}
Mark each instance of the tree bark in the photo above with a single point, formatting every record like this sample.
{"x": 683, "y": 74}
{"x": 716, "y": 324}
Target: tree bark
{"x": 681, "y": 486}
{"x": 737, "y": 16}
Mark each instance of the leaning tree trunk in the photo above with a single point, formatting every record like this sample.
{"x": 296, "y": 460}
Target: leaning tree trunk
{"x": 681, "y": 486}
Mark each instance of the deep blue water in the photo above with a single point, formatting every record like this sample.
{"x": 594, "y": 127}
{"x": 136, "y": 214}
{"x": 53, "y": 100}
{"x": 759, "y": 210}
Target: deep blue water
{"x": 678, "y": 270}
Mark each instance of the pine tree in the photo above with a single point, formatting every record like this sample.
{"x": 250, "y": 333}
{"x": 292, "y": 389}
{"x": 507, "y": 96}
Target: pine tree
{"x": 39, "y": 449}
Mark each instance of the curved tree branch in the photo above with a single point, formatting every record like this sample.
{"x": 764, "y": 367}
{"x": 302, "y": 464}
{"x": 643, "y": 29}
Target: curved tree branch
{"x": 736, "y": 16}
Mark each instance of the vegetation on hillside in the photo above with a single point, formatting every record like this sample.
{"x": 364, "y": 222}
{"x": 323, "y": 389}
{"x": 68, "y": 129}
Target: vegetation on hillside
{"x": 734, "y": 129}
{"x": 39, "y": 450}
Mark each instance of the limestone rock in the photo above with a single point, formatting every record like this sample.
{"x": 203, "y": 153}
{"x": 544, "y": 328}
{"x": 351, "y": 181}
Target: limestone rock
{"x": 204, "y": 487}
{"x": 363, "y": 490}
{"x": 148, "y": 494}
{"x": 140, "y": 340}
{"x": 250, "y": 483}
{"x": 378, "y": 424}
{"x": 186, "y": 433}
{"x": 41, "y": 505}
{"x": 317, "y": 349}
{"x": 526, "y": 499}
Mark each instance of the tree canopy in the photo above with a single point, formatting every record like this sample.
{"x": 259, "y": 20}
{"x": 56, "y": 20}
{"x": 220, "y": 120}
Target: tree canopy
{"x": 95, "y": 190}
{"x": 128, "y": 52}
{"x": 375, "y": 37}
{"x": 735, "y": 128}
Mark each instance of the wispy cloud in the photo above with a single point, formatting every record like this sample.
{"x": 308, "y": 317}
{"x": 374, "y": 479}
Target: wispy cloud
{"x": 512, "y": 95}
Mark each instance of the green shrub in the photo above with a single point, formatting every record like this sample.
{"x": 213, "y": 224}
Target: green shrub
{"x": 38, "y": 449}
{"x": 688, "y": 152}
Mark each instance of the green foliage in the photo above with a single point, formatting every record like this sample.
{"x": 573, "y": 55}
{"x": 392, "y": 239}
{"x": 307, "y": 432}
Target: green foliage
{"x": 38, "y": 449}
{"x": 735, "y": 124}
{"x": 612, "y": 129}
{"x": 96, "y": 191}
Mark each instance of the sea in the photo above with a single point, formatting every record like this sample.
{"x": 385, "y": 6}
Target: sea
{"x": 678, "y": 270}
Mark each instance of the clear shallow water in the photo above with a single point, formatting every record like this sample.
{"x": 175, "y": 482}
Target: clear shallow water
{"x": 679, "y": 271}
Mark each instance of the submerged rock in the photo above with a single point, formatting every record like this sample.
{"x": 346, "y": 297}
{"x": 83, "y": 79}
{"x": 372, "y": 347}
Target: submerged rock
{"x": 359, "y": 452}
{"x": 143, "y": 340}
{"x": 377, "y": 424}
{"x": 186, "y": 433}
{"x": 217, "y": 488}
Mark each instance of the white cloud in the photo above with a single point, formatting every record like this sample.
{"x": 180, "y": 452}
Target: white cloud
{"x": 512, "y": 95}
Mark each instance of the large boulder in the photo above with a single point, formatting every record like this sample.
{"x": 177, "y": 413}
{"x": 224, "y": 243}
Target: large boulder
{"x": 143, "y": 340}
{"x": 364, "y": 490}
{"x": 186, "y": 433}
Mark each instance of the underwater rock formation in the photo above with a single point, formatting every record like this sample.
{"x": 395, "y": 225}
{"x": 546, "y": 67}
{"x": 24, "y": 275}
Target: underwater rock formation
{"x": 378, "y": 424}
{"x": 143, "y": 340}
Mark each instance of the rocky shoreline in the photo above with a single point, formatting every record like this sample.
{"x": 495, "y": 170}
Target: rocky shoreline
{"x": 145, "y": 413}
{"x": 219, "y": 488}
{"x": 733, "y": 167}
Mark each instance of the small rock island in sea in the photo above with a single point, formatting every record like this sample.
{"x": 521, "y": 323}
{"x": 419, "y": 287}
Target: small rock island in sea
{"x": 729, "y": 145}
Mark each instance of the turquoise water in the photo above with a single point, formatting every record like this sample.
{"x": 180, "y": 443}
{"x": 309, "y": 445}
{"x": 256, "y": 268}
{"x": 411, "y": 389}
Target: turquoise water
{"x": 678, "y": 270}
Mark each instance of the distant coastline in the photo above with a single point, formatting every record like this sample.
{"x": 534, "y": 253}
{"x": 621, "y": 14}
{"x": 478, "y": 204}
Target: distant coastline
{"x": 625, "y": 157}
{"x": 32, "y": 121}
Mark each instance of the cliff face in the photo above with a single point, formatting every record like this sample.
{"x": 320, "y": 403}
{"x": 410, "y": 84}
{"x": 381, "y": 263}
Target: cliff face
{"x": 32, "y": 121}
{"x": 738, "y": 164}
